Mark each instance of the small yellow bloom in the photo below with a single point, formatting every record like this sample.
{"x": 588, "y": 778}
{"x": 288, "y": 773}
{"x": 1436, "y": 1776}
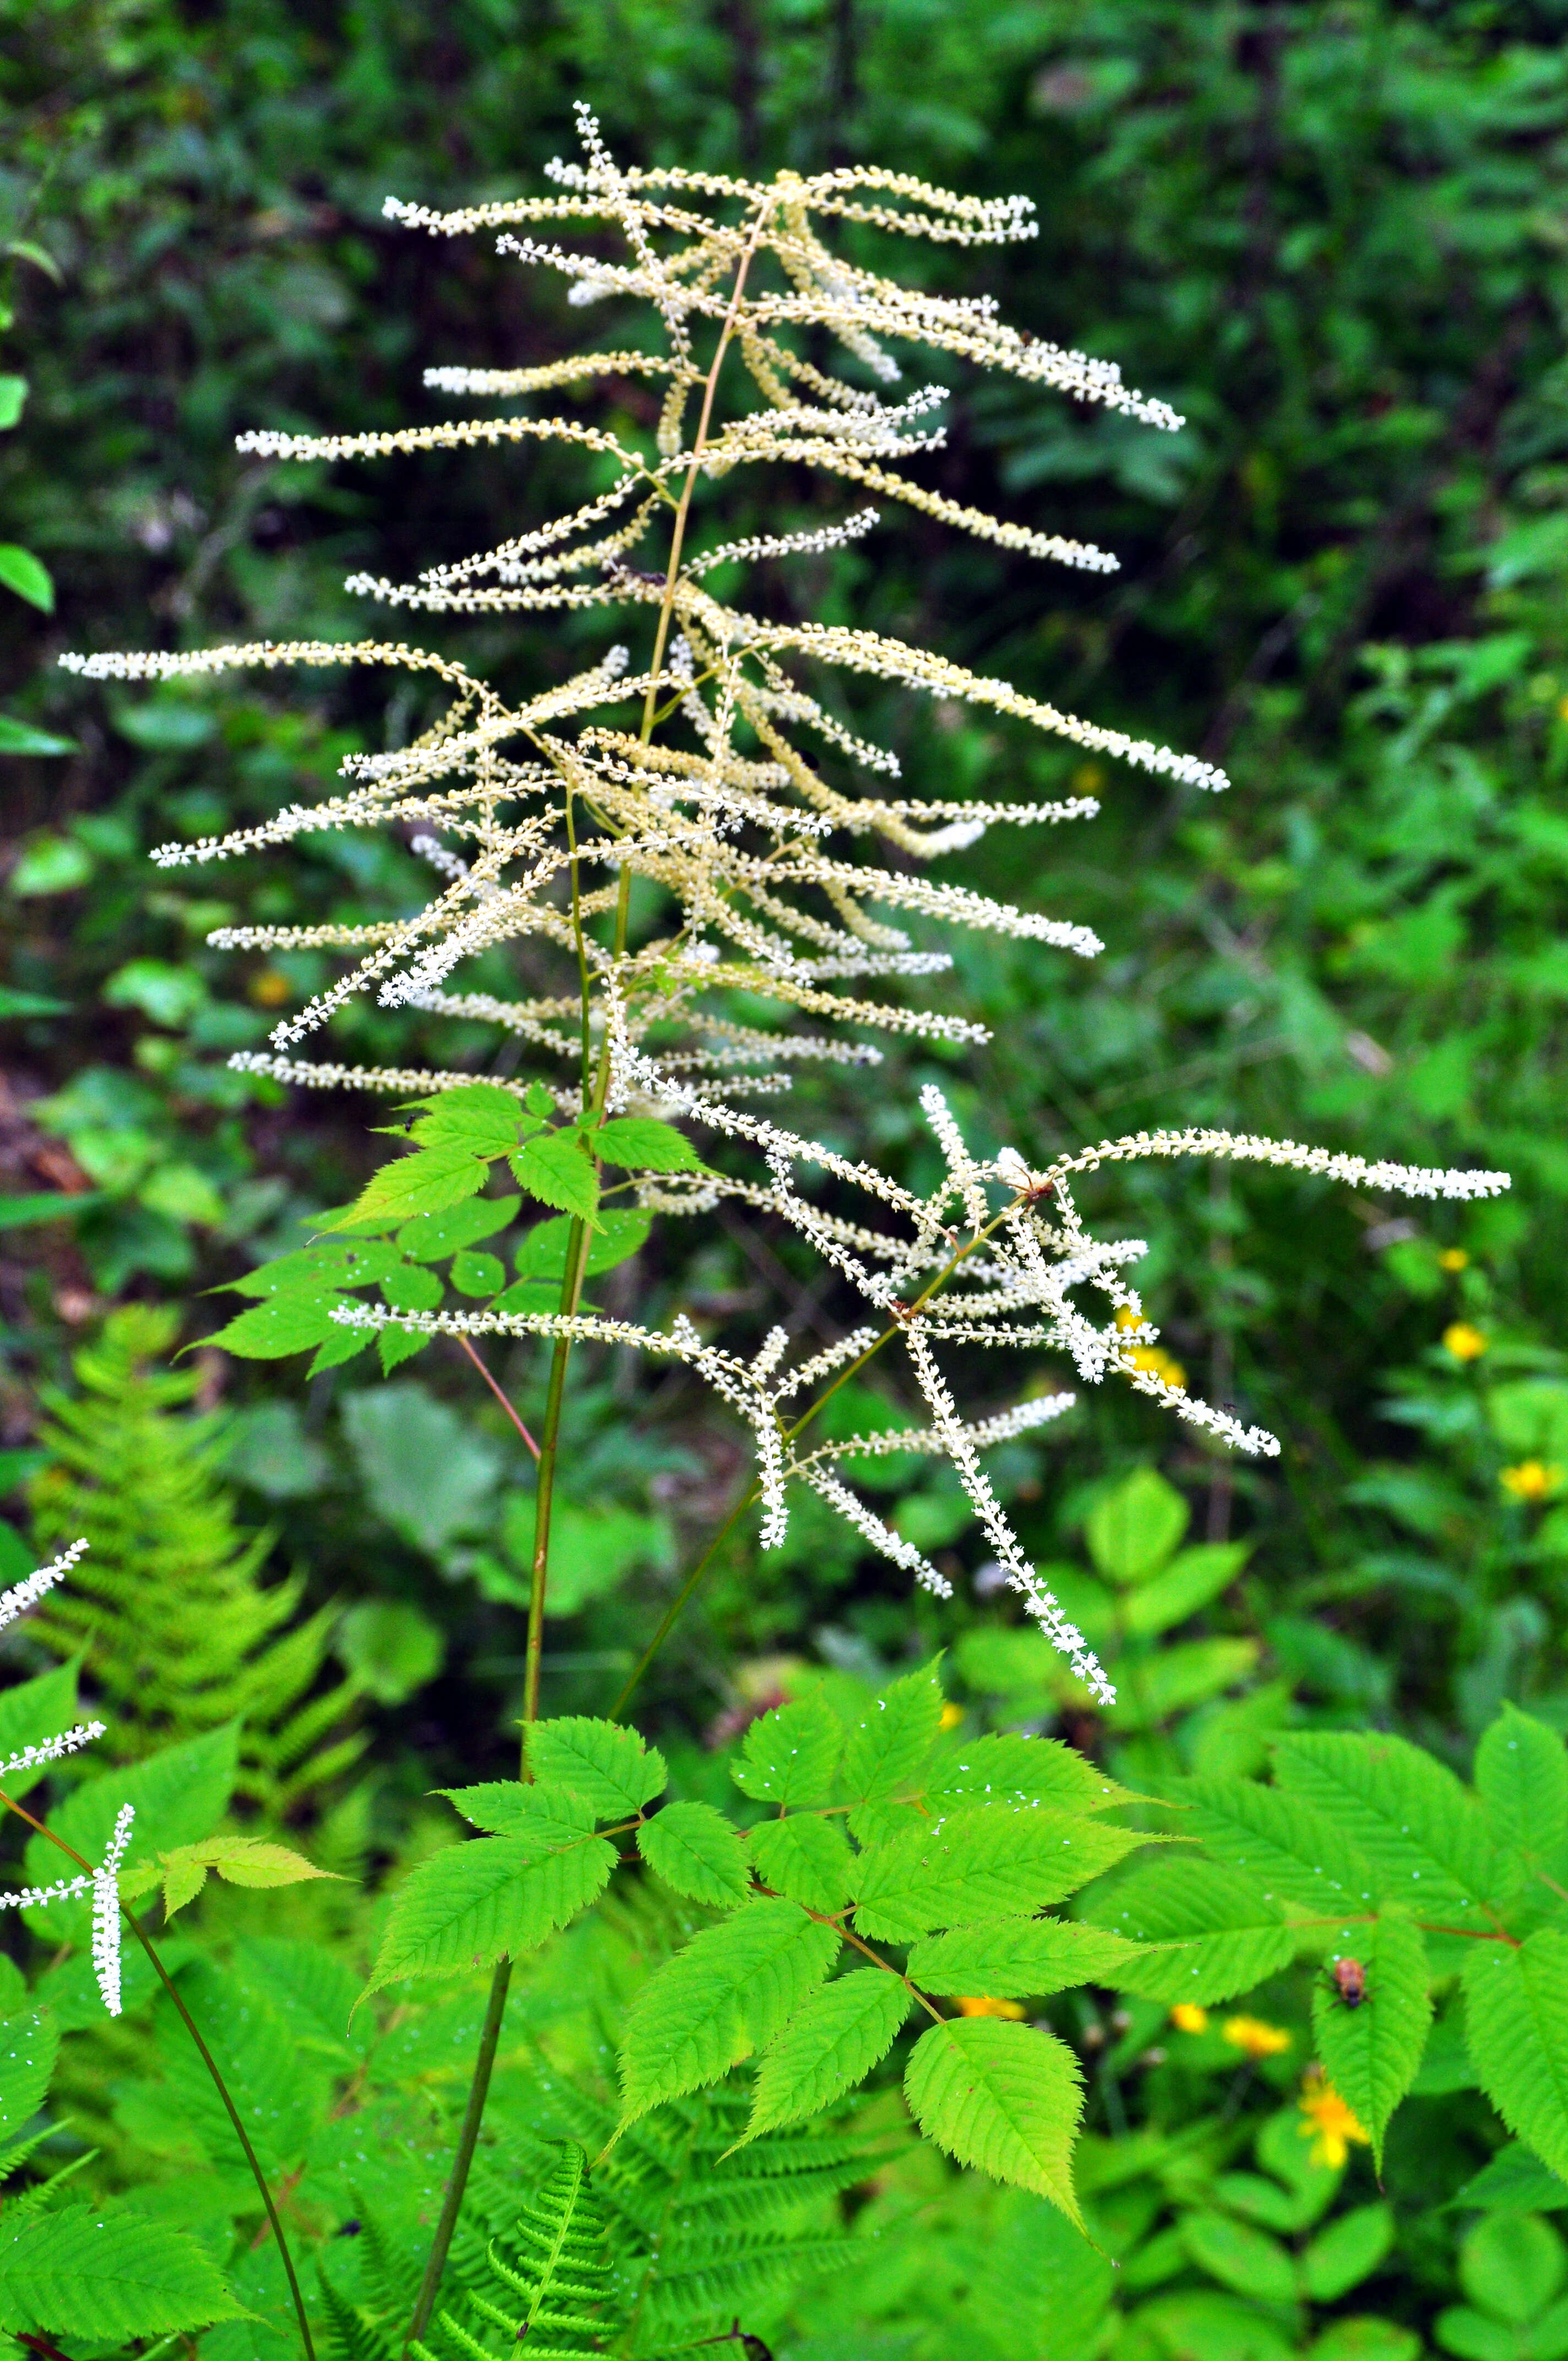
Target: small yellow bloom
{"x": 1258, "y": 2039}
{"x": 1532, "y": 1479}
{"x": 972, "y": 2004}
{"x": 951, "y": 1715}
{"x": 1465, "y": 1342}
{"x": 1158, "y": 1363}
{"x": 1127, "y": 1318}
{"x": 1563, "y": 708}
{"x": 1188, "y": 2017}
{"x": 1455, "y": 1259}
{"x": 1330, "y": 2124}
{"x": 269, "y": 989}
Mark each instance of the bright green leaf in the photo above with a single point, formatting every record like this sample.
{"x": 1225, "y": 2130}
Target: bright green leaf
{"x": 81, "y": 2273}
{"x": 886, "y": 1752}
{"x": 1347, "y": 2252}
{"x": 1239, "y": 2257}
{"x": 1132, "y": 1531}
{"x": 729, "y": 1991}
{"x": 829, "y": 2047}
{"x": 547, "y": 1816}
{"x": 1015, "y": 1958}
{"x": 20, "y": 571}
{"x": 411, "y": 1287}
{"x": 428, "y": 1182}
{"x": 697, "y": 1851}
{"x": 1521, "y": 1777}
{"x": 1231, "y": 1933}
{"x": 1421, "y": 1831}
{"x": 30, "y": 2043}
{"x": 789, "y": 1756}
{"x": 483, "y": 1118}
{"x": 1002, "y": 2097}
{"x": 13, "y": 398}
{"x": 32, "y": 1711}
{"x": 477, "y": 1274}
{"x": 804, "y": 1857}
{"x": 22, "y": 738}
{"x": 542, "y": 1253}
{"x": 431, "y": 1237}
{"x": 556, "y": 1168}
{"x": 1012, "y": 1769}
{"x": 1287, "y": 1847}
{"x": 638, "y": 1143}
{"x": 1370, "y": 2053}
{"x": 609, "y": 1767}
{"x": 289, "y": 1322}
{"x": 1188, "y": 1583}
{"x": 988, "y": 1862}
{"x": 468, "y": 1905}
{"x": 1517, "y": 2024}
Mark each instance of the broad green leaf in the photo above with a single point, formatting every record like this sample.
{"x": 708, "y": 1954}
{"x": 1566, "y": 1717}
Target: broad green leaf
{"x": 885, "y": 1753}
{"x": 1232, "y": 1935}
{"x": 1513, "y": 2180}
{"x": 805, "y": 1858}
{"x": 1188, "y": 1583}
{"x": 13, "y": 396}
{"x": 430, "y": 1237}
{"x": 238, "y": 1860}
{"x": 484, "y": 1118}
{"x": 81, "y": 2273}
{"x": 1515, "y": 2019}
{"x": 1421, "y": 1831}
{"x": 1521, "y": 1777}
{"x": 543, "y": 1811}
{"x": 730, "y": 1992}
{"x": 1132, "y": 1531}
{"x": 1292, "y": 1852}
{"x": 989, "y": 1863}
{"x": 542, "y": 1255}
{"x": 610, "y": 1768}
{"x": 1347, "y": 2252}
{"x": 789, "y": 1757}
{"x": 697, "y": 1851}
{"x": 1002, "y": 2097}
{"x": 477, "y": 1274}
{"x": 396, "y": 1344}
{"x": 411, "y": 1287}
{"x": 470, "y": 1904}
{"x": 428, "y": 1182}
{"x": 1012, "y": 1769}
{"x": 1370, "y": 2053}
{"x": 1175, "y": 1678}
{"x": 1239, "y": 2257}
{"x": 30, "y": 2043}
{"x": 1512, "y": 2270}
{"x": 30, "y": 1713}
{"x": 1015, "y": 1958}
{"x": 639, "y": 1143}
{"x": 318, "y": 1269}
{"x": 829, "y": 2047}
{"x": 24, "y": 738}
{"x": 342, "y": 1345}
{"x": 557, "y": 1170}
{"x": 289, "y": 1322}
{"x": 184, "y": 1876}
{"x": 27, "y": 575}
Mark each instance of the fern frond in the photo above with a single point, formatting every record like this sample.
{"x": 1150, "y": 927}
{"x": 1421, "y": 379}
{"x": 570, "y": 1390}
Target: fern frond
{"x": 352, "y": 2335}
{"x": 551, "y": 2261}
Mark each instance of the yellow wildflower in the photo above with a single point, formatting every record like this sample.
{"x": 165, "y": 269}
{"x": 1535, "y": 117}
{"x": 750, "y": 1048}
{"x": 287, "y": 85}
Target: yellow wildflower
{"x": 1188, "y": 2017}
{"x": 951, "y": 1715}
{"x": 1258, "y": 2039}
{"x": 1160, "y": 1363}
{"x": 269, "y": 988}
{"x": 1330, "y": 2124}
{"x": 1532, "y": 1479}
{"x": 1455, "y": 1259}
{"x": 973, "y": 2005}
{"x": 1465, "y": 1342}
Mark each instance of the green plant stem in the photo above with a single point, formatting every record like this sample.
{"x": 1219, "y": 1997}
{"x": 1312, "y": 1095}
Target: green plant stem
{"x": 458, "y": 2182}
{"x": 208, "y": 2060}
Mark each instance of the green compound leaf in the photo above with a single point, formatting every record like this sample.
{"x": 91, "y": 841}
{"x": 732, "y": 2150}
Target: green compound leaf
{"x": 484, "y": 1118}
{"x": 284, "y": 1323}
{"x": 697, "y": 1851}
{"x": 990, "y": 1862}
{"x": 411, "y": 1287}
{"x": 1240, "y": 2256}
{"x": 830, "y": 2047}
{"x": 730, "y": 1992}
{"x": 789, "y": 1757}
{"x": 1347, "y": 2252}
{"x": 1232, "y": 1935}
{"x": 1012, "y": 1769}
{"x": 477, "y": 1274}
{"x": 1521, "y": 1777}
{"x": 547, "y": 1815}
{"x": 1291, "y": 1851}
{"x": 1015, "y": 1958}
{"x": 466, "y": 1907}
{"x": 1421, "y": 1831}
{"x": 807, "y": 1859}
{"x": 1002, "y": 2097}
{"x": 431, "y": 1237}
{"x": 1516, "y": 2021}
{"x": 886, "y": 1752}
{"x": 610, "y": 1768}
{"x": 543, "y": 1252}
{"x": 1370, "y": 2053}
{"x": 81, "y": 2274}
{"x": 639, "y": 1143}
{"x": 29, "y": 2045}
{"x": 315, "y": 1270}
{"x": 428, "y": 1182}
{"x": 557, "y": 1170}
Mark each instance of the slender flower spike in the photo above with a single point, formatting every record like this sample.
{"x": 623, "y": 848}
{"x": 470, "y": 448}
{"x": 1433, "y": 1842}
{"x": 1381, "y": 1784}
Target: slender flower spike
{"x": 710, "y": 753}
{"x": 32, "y": 1587}
{"x": 106, "y": 1911}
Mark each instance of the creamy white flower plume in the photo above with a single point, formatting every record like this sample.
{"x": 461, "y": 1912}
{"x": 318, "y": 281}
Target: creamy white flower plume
{"x": 106, "y": 1911}
{"x": 32, "y": 1587}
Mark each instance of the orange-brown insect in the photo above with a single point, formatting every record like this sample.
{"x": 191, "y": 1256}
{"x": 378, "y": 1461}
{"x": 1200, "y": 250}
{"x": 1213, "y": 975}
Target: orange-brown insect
{"x": 1349, "y": 1979}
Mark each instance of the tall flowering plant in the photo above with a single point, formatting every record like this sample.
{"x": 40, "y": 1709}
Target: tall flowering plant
{"x": 706, "y": 752}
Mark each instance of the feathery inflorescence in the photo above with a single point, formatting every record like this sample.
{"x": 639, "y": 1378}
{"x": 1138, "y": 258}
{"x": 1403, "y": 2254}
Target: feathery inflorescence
{"x": 717, "y": 768}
